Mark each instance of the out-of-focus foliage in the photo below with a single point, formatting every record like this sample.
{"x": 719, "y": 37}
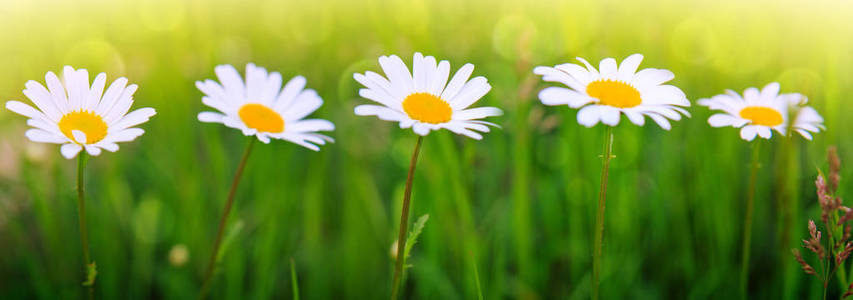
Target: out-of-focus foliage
{"x": 519, "y": 205}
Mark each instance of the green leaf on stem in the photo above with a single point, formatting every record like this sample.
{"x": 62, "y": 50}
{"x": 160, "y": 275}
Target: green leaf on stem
{"x": 412, "y": 238}
{"x": 230, "y": 236}
{"x": 91, "y": 273}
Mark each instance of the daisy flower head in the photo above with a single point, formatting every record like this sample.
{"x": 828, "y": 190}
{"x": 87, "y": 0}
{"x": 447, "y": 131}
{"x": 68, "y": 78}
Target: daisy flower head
{"x": 604, "y": 94}
{"x": 259, "y": 106}
{"x": 761, "y": 112}
{"x": 424, "y": 99}
{"x": 78, "y": 116}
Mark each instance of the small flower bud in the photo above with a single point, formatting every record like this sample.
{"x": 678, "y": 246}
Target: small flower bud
{"x": 834, "y": 169}
{"x": 847, "y": 216}
{"x": 393, "y": 250}
{"x": 178, "y": 255}
{"x": 806, "y": 267}
{"x": 844, "y": 253}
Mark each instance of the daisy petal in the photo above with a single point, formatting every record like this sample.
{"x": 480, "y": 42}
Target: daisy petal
{"x": 440, "y": 77}
{"x": 95, "y": 93}
{"x": 24, "y": 110}
{"x": 397, "y": 72}
{"x": 609, "y": 115}
{"x": 306, "y": 103}
{"x": 378, "y": 87}
{"x": 457, "y": 82}
{"x": 382, "y": 112}
{"x": 231, "y": 81}
{"x": 630, "y": 65}
{"x": 420, "y": 71}
{"x": 381, "y": 98}
{"x": 263, "y": 138}
{"x": 134, "y": 118}
{"x": 764, "y": 131}
{"x": 92, "y": 150}
{"x": 421, "y": 129}
{"x": 41, "y": 136}
{"x": 607, "y": 67}
{"x": 589, "y": 115}
{"x": 111, "y": 147}
{"x": 69, "y": 151}
{"x": 748, "y": 132}
{"x": 805, "y": 134}
{"x": 572, "y": 75}
{"x": 57, "y": 92}
{"x": 79, "y": 136}
{"x": 126, "y": 135}
{"x": 560, "y": 96}
{"x": 652, "y": 77}
{"x": 752, "y": 94}
{"x": 77, "y": 87}
{"x": 589, "y": 67}
{"x": 635, "y": 117}
{"x": 291, "y": 89}
{"x": 770, "y": 91}
{"x": 210, "y": 117}
{"x": 461, "y": 129}
{"x": 111, "y": 95}
{"x": 311, "y": 125}
{"x": 300, "y": 139}
{"x": 721, "y": 120}
{"x": 271, "y": 88}
{"x": 660, "y": 120}
{"x": 255, "y": 82}
{"x": 43, "y": 100}
{"x": 473, "y": 91}
{"x": 477, "y": 113}
{"x": 122, "y": 105}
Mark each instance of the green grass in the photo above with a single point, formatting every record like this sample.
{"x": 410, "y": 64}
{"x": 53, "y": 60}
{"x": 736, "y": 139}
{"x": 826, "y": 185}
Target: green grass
{"x": 511, "y": 216}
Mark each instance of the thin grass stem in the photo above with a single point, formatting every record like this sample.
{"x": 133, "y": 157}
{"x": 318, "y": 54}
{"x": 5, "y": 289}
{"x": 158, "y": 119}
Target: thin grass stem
{"x": 477, "y": 278}
{"x": 294, "y": 281}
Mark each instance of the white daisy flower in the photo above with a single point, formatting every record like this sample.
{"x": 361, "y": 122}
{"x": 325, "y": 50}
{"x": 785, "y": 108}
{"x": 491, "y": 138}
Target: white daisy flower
{"x": 71, "y": 113}
{"x": 757, "y": 112}
{"x": 426, "y": 101}
{"x": 604, "y": 94}
{"x": 261, "y": 107}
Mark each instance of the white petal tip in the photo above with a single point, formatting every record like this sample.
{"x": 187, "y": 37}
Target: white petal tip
{"x": 79, "y": 136}
{"x": 69, "y": 151}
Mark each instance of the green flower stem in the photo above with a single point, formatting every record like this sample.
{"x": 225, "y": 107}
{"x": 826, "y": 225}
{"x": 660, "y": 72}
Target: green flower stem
{"x": 747, "y": 221}
{"x": 599, "y": 218}
{"x": 88, "y": 265}
{"x": 228, "y": 204}
{"x": 404, "y": 222}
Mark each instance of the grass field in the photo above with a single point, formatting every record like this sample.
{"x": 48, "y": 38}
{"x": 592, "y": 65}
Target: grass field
{"x": 510, "y": 216}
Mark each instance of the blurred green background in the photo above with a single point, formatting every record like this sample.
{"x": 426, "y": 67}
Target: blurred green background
{"x": 516, "y": 208}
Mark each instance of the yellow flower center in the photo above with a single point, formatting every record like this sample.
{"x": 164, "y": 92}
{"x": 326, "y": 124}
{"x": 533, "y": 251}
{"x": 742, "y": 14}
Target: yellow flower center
{"x": 427, "y": 108}
{"x": 614, "y": 93}
{"x": 86, "y": 121}
{"x": 261, "y": 118}
{"x": 760, "y": 115}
